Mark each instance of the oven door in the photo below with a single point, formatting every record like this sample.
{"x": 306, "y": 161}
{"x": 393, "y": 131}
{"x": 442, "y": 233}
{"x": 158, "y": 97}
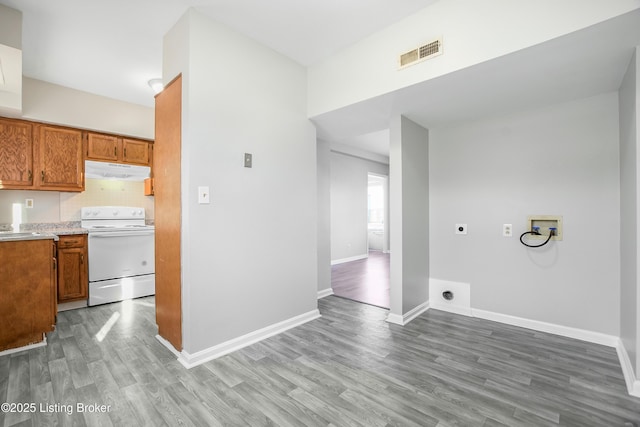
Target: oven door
{"x": 119, "y": 254}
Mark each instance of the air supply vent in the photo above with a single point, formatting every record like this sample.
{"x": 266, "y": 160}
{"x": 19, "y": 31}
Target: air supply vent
{"x": 419, "y": 54}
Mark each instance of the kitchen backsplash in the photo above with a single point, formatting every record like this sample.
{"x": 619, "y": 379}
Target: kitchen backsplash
{"x": 53, "y": 206}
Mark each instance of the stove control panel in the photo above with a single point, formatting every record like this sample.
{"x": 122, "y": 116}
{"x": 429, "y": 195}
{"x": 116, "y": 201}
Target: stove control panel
{"x": 112, "y": 212}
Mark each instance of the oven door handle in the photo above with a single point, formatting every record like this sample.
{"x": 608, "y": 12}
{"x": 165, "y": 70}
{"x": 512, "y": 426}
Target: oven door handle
{"x": 122, "y": 234}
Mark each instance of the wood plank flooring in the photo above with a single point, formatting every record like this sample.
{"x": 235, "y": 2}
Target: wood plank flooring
{"x": 365, "y": 280}
{"x": 348, "y": 368}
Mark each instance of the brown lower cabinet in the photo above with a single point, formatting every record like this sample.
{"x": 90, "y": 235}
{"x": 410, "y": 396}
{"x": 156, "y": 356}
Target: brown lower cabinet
{"x": 27, "y": 291}
{"x": 72, "y": 268}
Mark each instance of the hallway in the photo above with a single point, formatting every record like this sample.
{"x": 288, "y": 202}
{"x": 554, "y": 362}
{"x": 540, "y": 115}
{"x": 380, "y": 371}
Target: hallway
{"x": 365, "y": 280}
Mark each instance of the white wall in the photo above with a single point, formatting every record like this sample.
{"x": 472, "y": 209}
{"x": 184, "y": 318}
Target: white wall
{"x": 51, "y": 103}
{"x": 46, "y": 206}
{"x": 11, "y": 57}
{"x": 409, "y": 211}
{"x": 629, "y": 97}
{"x": 324, "y": 215}
{"x": 10, "y": 27}
{"x": 369, "y": 67}
{"x": 349, "y": 182}
{"x": 250, "y": 256}
{"x": 559, "y": 160}
{"x": 57, "y": 206}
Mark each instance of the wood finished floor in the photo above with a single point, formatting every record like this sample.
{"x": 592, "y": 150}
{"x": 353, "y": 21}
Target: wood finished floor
{"x": 348, "y": 368}
{"x": 364, "y": 280}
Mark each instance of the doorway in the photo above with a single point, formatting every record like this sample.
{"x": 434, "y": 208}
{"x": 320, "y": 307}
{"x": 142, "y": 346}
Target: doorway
{"x": 367, "y": 280}
{"x": 377, "y": 213}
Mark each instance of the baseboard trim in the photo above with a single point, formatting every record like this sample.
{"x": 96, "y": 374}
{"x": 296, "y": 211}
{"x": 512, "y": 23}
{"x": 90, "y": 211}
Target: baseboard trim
{"x": 42, "y": 343}
{"x": 352, "y": 258}
{"x": 463, "y": 311}
{"x": 408, "y": 316}
{"x": 169, "y": 346}
{"x": 73, "y": 305}
{"x": 396, "y": 319}
{"x": 192, "y": 360}
{"x": 325, "y": 293}
{"x": 565, "y": 331}
{"x": 633, "y": 383}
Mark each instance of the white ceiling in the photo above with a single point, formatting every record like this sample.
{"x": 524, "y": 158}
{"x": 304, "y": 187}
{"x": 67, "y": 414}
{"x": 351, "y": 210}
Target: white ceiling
{"x": 112, "y": 48}
{"x": 581, "y": 64}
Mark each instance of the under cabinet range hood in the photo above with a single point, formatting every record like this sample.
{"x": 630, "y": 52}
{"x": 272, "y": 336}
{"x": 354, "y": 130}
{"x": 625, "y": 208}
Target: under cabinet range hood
{"x": 115, "y": 171}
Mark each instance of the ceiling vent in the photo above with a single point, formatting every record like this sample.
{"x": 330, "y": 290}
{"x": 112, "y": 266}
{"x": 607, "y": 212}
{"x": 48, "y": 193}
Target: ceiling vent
{"x": 419, "y": 54}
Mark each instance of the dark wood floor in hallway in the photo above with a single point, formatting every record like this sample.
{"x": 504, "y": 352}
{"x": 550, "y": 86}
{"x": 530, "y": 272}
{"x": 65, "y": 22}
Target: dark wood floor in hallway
{"x": 348, "y": 368}
{"x": 365, "y": 280}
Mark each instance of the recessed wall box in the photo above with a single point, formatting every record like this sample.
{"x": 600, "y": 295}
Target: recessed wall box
{"x": 461, "y": 229}
{"x": 545, "y": 225}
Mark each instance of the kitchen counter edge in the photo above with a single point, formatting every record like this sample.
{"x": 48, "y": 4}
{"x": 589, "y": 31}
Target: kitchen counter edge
{"x": 41, "y": 232}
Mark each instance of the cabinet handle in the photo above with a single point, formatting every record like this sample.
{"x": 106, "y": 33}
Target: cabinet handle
{"x": 30, "y": 174}
{"x": 125, "y": 152}
{"x": 55, "y": 264}
{"x": 42, "y": 175}
{"x": 81, "y": 258}
{"x": 115, "y": 151}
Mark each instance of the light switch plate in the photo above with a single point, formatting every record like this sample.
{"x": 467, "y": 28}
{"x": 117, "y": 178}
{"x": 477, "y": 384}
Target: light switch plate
{"x": 203, "y": 195}
{"x": 248, "y": 160}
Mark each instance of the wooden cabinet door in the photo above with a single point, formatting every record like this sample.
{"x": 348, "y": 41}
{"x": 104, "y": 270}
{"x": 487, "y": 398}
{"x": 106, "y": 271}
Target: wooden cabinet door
{"x": 25, "y": 283}
{"x": 72, "y": 268}
{"x": 54, "y": 283}
{"x": 16, "y": 154}
{"x": 60, "y": 159}
{"x": 102, "y": 147}
{"x": 135, "y": 152}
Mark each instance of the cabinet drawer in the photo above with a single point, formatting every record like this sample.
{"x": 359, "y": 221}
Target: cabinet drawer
{"x": 72, "y": 241}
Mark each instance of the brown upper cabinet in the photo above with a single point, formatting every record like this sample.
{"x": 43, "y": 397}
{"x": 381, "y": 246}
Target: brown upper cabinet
{"x": 16, "y": 154}
{"x": 60, "y": 158}
{"x": 40, "y": 157}
{"x": 37, "y": 156}
{"x": 111, "y": 148}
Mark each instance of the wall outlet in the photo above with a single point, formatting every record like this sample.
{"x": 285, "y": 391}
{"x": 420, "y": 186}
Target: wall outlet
{"x": 507, "y": 230}
{"x": 28, "y": 203}
{"x": 248, "y": 160}
{"x": 461, "y": 228}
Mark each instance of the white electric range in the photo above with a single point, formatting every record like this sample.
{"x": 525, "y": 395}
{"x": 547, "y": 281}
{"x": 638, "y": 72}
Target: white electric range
{"x": 121, "y": 253}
